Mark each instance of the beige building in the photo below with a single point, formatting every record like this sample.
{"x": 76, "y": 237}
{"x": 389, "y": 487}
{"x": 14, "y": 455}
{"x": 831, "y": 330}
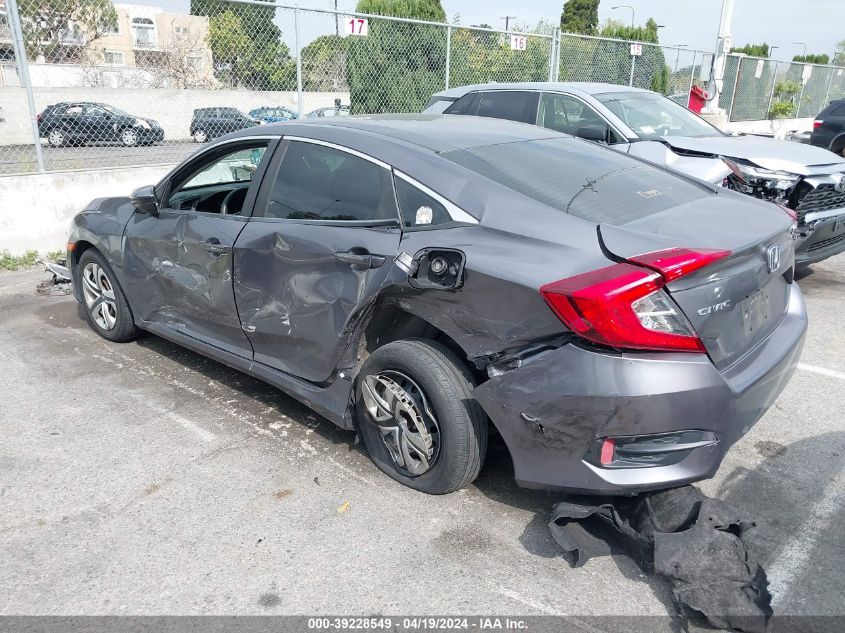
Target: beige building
{"x": 149, "y": 38}
{"x": 148, "y": 46}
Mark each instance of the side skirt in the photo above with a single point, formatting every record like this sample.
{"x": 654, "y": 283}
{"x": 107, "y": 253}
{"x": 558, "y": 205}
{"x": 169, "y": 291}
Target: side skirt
{"x": 332, "y": 402}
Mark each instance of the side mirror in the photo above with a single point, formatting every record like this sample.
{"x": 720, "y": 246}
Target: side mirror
{"x": 144, "y": 200}
{"x": 592, "y": 132}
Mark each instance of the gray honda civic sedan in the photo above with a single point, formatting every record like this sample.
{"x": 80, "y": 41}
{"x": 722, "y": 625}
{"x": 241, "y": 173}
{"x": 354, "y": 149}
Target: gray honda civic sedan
{"x": 421, "y": 278}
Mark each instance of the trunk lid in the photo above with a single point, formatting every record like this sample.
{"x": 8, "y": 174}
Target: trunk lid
{"x": 737, "y": 301}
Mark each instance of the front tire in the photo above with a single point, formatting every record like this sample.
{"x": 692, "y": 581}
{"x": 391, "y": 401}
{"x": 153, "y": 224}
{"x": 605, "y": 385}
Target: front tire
{"x": 129, "y": 137}
{"x": 106, "y": 308}
{"x": 417, "y": 416}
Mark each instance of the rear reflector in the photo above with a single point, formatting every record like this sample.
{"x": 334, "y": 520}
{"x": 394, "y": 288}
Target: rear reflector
{"x": 607, "y": 447}
{"x": 625, "y": 306}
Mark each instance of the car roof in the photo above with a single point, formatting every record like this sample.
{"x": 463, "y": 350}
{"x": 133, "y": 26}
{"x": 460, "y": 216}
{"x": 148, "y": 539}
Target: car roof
{"x": 584, "y": 87}
{"x": 433, "y": 132}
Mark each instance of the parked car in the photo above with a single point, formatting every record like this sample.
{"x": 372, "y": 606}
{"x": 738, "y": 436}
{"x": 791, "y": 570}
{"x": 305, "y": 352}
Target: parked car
{"x": 829, "y": 128}
{"x": 806, "y": 179}
{"x": 343, "y": 110}
{"x": 80, "y": 122}
{"x": 209, "y": 123}
{"x": 273, "y": 114}
{"x": 412, "y": 276}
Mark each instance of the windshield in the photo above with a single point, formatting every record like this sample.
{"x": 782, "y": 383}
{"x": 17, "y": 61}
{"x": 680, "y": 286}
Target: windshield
{"x": 653, "y": 116}
{"x": 113, "y": 110}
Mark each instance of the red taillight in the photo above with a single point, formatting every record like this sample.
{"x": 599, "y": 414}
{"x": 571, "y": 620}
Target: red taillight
{"x": 675, "y": 263}
{"x": 608, "y": 447}
{"x": 39, "y": 117}
{"x": 817, "y": 123}
{"x": 624, "y": 306}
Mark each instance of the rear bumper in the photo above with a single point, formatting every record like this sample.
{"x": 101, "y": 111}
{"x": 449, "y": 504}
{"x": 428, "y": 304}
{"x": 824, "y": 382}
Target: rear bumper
{"x": 553, "y": 408}
{"x": 826, "y": 240}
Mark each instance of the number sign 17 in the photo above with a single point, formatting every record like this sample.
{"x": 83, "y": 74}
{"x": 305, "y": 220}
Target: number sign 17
{"x": 357, "y": 26}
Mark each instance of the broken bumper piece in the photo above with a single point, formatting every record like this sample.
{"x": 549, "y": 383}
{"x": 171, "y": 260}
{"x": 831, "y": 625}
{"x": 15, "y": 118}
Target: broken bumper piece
{"x": 676, "y": 410}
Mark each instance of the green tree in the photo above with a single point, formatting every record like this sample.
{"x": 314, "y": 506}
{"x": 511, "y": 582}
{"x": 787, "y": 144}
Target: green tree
{"x": 752, "y": 50}
{"x": 263, "y": 61}
{"x": 580, "y": 16}
{"x": 612, "y": 61}
{"x": 839, "y": 54}
{"x": 59, "y": 30}
{"x": 324, "y": 64}
{"x": 398, "y": 66}
{"x": 812, "y": 58}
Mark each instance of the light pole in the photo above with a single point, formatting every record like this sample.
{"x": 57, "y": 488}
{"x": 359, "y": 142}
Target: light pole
{"x": 804, "y": 54}
{"x": 626, "y": 6}
{"x": 772, "y": 51}
{"x": 507, "y": 19}
{"x": 678, "y": 55}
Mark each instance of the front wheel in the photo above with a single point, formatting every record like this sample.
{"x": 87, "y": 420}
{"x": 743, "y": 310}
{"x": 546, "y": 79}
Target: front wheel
{"x": 129, "y": 137}
{"x": 417, "y": 416}
{"x": 200, "y": 136}
{"x": 106, "y": 307}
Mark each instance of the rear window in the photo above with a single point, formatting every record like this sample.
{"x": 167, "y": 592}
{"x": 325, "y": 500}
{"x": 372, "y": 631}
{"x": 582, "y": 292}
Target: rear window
{"x": 838, "y": 110}
{"x": 577, "y": 177}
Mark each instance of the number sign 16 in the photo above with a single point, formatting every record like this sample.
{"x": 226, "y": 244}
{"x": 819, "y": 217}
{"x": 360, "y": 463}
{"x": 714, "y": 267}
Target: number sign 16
{"x": 518, "y": 42}
{"x": 357, "y": 26}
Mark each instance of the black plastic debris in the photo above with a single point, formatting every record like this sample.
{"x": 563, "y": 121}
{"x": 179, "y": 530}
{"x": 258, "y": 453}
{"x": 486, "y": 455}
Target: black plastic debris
{"x": 693, "y": 541}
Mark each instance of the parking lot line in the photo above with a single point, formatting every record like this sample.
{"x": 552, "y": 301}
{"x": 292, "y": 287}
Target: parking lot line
{"x": 795, "y": 555}
{"x": 822, "y": 371}
{"x": 205, "y": 436}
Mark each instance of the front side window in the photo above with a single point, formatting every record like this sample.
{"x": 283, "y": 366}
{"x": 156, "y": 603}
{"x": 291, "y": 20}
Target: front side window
{"x": 565, "y": 113}
{"x": 316, "y": 182}
{"x": 653, "y": 116}
{"x": 220, "y": 183}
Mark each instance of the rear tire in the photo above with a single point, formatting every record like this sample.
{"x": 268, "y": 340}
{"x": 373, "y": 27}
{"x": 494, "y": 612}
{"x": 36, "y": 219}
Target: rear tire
{"x": 129, "y": 137}
{"x": 56, "y": 138}
{"x": 415, "y": 382}
{"x": 106, "y": 308}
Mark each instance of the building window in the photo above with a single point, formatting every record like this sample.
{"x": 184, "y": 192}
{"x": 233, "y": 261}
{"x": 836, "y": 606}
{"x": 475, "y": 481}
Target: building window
{"x": 143, "y": 33}
{"x": 181, "y": 31}
{"x": 113, "y": 58}
{"x": 72, "y": 34}
{"x": 194, "y": 63}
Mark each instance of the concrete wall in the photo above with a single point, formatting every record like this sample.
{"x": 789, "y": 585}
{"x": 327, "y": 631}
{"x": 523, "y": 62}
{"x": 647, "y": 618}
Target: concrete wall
{"x": 37, "y": 209}
{"x": 172, "y": 108}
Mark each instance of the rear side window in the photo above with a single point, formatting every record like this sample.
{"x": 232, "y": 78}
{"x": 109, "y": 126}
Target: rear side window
{"x": 417, "y": 207}
{"x": 468, "y": 104}
{"x": 586, "y": 180}
{"x": 316, "y": 182}
{"x": 511, "y": 104}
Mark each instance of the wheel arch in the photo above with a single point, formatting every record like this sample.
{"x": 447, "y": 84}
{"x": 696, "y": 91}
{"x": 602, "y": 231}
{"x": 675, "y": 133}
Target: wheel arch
{"x": 837, "y": 145}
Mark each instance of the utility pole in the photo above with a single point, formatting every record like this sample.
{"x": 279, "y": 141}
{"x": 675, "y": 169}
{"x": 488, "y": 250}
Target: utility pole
{"x": 336, "y": 20}
{"x": 723, "y": 45}
{"x": 507, "y": 19}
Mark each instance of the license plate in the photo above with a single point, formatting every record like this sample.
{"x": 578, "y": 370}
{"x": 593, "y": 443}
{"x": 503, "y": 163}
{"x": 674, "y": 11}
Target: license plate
{"x": 756, "y": 310}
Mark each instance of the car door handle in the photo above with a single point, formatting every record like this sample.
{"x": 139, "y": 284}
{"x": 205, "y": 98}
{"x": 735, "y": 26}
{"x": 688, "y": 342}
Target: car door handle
{"x": 364, "y": 260}
{"x": 214, "y": 246}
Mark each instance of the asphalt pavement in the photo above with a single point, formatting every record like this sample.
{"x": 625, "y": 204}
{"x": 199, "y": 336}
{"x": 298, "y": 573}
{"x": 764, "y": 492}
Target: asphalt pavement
{"x": 144, "y": 479}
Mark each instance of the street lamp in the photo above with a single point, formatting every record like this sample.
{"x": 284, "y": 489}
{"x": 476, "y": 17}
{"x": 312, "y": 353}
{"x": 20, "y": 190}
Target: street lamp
{"x": 626, "y": 6}
{"x": 804, "y": 54}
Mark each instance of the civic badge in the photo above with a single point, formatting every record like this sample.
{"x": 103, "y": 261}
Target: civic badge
{"x": 773, "y": 258}
{"x": 839, "y": 187}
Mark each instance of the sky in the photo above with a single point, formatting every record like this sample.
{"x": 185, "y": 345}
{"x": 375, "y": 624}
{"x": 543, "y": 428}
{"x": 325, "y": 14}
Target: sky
{"x": 820, "y": 23}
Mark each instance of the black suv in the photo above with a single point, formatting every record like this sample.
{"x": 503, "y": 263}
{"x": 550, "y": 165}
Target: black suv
{"x": 210, "y": 123}
{"x": 829, "y": 128}
{"x": 80, "y": 122}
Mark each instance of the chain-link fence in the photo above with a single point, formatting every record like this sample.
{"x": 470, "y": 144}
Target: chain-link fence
{"x": 89, "y": 83}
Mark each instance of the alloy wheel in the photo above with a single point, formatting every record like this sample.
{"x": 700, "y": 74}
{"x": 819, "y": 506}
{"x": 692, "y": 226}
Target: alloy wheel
{"x": 400, "y": 410}
{"x": 200, "y": 136}
{"x": 99, "y": 296}
{"x": 56, "y": 138}
{"x": 129, "y": 137}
